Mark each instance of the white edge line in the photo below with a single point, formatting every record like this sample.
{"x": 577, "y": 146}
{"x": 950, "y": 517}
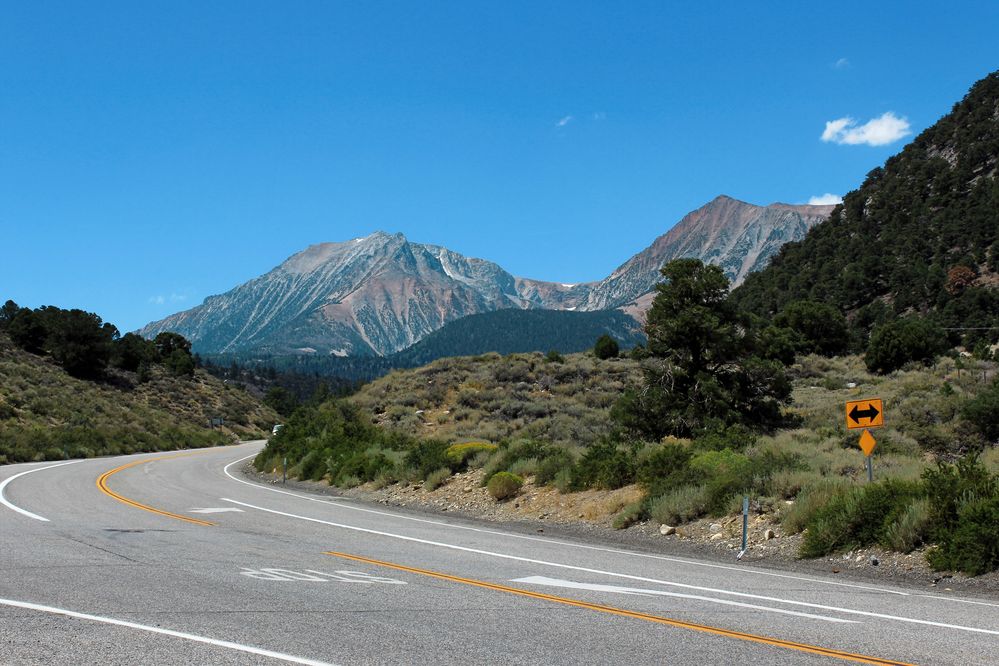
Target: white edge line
{"x": 837, "y": 609}
{"x": 166, "y": 632}
{"x": 616, "y": 551}
{"x": 3, "y": 487}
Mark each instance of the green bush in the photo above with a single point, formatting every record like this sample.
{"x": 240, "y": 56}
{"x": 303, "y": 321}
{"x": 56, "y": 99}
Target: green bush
{"x": 503, "y": 485}
{"x": 982, "y": 413}
{"x": 861, "y": 517}
{"x": 428, "y": 456}
{"x": 812, "y": 498}
{"x": 910, "y": 529}
{"x": 604, "y": 465}
{"x": 680, "y": 506}
{"x": 971, "y": 544}
{"x": 460, "y": 454}
{"x": 666, "y": 469}
{"x": 555, "y": 461}
{"x": 902, "y": 341}
{"x": 629, "y": 515}
{"x": 437, "y": 478}
{"x": 605, "y": 348}
{"x": 726, "y": 473}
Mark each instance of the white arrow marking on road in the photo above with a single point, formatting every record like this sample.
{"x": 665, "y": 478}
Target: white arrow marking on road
{"x": 221, "y": 509}
{"x": 558, "y": 582}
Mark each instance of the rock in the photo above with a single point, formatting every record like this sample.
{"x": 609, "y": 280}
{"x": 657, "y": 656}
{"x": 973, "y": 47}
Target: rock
{"x": 874, "y": 561}
{"x": 717, "y": 537}
{"x": 769, "y": 534}
{"x": 666, "y": 530}
{"x": 715, "y": 527}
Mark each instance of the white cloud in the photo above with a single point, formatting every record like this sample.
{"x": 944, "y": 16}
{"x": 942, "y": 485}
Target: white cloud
{"x": 880, "y": 131}
{"x": 842, "y": 63}
{"x": 562, "y": 122}
{"x": 825, "y": 200}
{"x": 600, "y": 115}
{"x": 174, "y": 297}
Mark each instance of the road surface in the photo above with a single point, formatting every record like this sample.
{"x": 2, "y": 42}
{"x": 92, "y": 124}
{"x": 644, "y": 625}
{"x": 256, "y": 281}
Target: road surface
{"x": 177, "y": 558}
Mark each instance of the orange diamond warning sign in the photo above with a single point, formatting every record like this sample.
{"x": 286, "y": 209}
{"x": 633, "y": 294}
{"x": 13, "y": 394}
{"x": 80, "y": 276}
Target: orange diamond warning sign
{"x": 865, "y": 414}
{"x": 867, "y": 442}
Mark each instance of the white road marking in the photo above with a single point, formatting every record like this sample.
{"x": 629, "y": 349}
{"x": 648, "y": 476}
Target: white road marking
{"x": 615, "y": 551}
{"x": 226, "y": 509}
{"x": 312, "y": 576}
{"x": 165, "y": 632}
{"x": 477, "y": 551}
{"x": 3, "y": 487}
{"x": 558, "y": 582}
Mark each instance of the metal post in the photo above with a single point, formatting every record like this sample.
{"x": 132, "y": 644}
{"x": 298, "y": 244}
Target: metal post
{"x": 870, "y": 470}
{"x": 745, "y": 525}
{"x": 284, "y": 470}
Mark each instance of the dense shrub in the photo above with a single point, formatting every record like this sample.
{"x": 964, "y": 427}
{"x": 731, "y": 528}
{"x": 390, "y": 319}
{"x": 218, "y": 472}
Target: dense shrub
{"x": 460, "y": 454}
{"x": 726, "y": 473}
{"x": 971, "y": 543}
{"x": 333, "y": 438}
{"x": 861, "y": 517}
{"x": 982, "y": 413}
{"x": 428, "y": 456}
{"x": 818, "y": 328}
{"x": 554, "y": 461}
{"x": 605, "y": 348}
{"x": 503, "y": 485}
{"x": 680, "y": 506}
{"x": 902, "y": 341}
{"x": 437, "y": 478}
{"x": 604, "y": 465}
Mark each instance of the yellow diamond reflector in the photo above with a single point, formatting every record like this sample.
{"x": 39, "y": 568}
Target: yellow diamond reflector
{"x": 867, "y": 443}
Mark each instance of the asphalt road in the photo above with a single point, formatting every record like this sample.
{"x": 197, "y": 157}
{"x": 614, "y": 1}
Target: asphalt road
{"x": 179, "y": 559}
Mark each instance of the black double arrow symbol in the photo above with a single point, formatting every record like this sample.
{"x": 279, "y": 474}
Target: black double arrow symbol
{"x": 870, "y": 413}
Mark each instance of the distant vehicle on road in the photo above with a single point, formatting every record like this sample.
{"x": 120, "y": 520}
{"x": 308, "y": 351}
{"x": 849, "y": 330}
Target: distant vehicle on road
{"x": 276, "y": 428}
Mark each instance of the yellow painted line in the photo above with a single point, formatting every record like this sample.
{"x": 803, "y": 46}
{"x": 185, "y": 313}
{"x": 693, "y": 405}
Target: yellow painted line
{"x": 728, "y": 633}
{"x": 102, "y": 485}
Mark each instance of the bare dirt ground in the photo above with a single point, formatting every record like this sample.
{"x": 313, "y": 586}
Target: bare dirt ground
{"x": 589, "y": 515}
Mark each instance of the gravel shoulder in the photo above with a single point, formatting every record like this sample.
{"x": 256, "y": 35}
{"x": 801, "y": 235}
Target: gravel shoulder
{"x": 588, "y": 515}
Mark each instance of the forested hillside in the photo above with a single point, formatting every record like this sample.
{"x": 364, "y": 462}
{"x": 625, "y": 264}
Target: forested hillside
{"x": 70, "y": 387}
{"x": 508, "y": 331}
{"x": 521, "y": 331}
{"x": 919, "y": 236}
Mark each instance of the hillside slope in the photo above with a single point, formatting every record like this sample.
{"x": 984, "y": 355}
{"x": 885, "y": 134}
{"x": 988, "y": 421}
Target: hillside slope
{"x": 46, "y": 414}
{"x": 920, "y": 234}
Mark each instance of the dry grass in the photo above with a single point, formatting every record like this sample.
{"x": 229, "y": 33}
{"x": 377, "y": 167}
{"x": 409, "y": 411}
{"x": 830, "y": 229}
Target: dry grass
{"x": 494, "y": 397}
{"x": 42, "y": 407}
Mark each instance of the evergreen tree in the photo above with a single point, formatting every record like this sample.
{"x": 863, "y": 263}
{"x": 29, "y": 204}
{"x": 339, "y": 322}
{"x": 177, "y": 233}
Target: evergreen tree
{"x": 705, "y": 372}
{"x": 605, "y": 348}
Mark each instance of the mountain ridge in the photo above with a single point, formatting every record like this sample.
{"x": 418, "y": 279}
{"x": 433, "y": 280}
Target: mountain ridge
{"x": 381, "y": 293}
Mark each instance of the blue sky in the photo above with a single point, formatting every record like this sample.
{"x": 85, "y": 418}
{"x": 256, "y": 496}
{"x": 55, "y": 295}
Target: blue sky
{"x": 152, "y": 154}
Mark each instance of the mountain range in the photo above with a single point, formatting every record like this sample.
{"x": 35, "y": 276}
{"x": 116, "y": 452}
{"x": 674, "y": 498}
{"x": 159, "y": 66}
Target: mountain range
{"x": 382, "y": 293}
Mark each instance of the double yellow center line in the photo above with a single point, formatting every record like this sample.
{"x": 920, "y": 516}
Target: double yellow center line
{"x": 680, "y": 624}
{"x": 102, "y": 485}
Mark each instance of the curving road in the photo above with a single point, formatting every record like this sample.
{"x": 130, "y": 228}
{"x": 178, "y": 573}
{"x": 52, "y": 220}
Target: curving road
{"x": 178, "y": 559}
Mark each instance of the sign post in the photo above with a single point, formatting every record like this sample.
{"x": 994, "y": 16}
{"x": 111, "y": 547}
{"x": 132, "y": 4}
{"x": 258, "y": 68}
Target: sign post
{"x": 866, "y": 414}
